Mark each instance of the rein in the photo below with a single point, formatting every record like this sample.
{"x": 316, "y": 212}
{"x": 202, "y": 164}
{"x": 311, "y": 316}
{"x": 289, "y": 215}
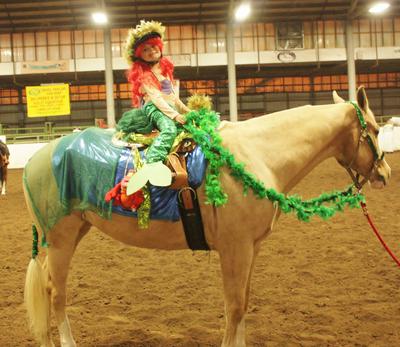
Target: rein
{"x": 364, "y": 135}
{"x": 376, "y": 232}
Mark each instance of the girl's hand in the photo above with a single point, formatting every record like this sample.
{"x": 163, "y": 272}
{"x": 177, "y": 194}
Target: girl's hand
{"x": 180, "y": 119}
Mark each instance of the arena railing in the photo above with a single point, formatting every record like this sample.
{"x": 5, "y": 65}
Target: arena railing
{"x": 382, "y": 120}
{"x": 37, "y": 134}
{"x": 49, "y": 132}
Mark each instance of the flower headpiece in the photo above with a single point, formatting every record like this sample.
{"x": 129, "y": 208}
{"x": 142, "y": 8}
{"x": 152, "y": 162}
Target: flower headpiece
{"x": 142, "y": 32}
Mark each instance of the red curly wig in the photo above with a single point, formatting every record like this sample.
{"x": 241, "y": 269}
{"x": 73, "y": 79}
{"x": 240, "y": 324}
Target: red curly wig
{"x": 140, "y": 71}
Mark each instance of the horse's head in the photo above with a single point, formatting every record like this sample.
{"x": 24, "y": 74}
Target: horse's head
{"x": 363, "y": 154}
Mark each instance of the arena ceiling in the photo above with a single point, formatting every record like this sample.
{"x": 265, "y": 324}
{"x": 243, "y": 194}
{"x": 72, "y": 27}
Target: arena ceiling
{"x": 35, "y": 15}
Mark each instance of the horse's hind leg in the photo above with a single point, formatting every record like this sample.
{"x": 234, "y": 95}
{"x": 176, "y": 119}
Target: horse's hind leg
{"x": 237, "y": 263}
{"x": 63, "y": 241}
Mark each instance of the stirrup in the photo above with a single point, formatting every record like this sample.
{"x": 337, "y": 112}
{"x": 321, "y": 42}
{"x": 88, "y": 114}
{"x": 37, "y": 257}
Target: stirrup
{"x": 156, "y": 173}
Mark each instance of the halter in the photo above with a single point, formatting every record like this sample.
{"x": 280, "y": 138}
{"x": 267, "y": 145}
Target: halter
{"x": 364, "y": 135}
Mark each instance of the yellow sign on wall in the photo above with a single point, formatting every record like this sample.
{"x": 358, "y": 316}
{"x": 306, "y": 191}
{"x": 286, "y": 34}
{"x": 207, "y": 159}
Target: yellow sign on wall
{"x": 49, "y": 100}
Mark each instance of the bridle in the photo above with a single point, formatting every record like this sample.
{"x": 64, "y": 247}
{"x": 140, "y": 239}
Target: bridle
{"x": 364, "y": 135}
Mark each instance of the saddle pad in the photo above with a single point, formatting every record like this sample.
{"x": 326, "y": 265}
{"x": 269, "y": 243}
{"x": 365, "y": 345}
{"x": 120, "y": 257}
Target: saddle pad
{"x": 83, "y": 165}
{"x": 86, "y": 165}
{"x": 164, "y": 201}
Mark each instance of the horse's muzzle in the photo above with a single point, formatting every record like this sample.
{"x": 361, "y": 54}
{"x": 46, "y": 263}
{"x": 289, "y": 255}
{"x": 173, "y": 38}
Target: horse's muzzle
{"x": 379, "y": 184}
{"x": 382, "y": 175}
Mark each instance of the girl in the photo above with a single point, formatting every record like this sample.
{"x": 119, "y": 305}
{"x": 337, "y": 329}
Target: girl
{"x": 157, "y": 105}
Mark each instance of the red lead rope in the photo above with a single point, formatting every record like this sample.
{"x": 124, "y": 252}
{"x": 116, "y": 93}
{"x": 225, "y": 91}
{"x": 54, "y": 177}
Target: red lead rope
{"x": 364, "y": 208}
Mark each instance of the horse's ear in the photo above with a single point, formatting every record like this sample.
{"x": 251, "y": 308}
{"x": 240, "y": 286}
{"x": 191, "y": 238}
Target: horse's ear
{"x": 362, "y": 99}
{"x": 336, "y": 98}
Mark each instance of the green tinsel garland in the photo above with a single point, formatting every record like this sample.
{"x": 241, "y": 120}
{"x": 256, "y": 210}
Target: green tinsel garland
{"x": 202, "y": 125}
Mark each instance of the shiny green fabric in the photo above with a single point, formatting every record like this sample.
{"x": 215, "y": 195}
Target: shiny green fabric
{"x": 146, "y": 119}
{"x": 135, "y": 121}
{"x": 161, "y": 146}
{"x": 84, "y": 164}
{"x": 71, "y": 173}
{"x": 41, "y": 188}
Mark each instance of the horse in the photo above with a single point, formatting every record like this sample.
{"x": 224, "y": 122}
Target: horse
{"x": 4, "y": 161}
{"x": 279, "y": 148}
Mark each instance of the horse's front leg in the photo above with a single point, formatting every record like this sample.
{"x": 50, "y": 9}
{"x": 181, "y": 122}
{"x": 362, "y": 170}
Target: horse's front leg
{"x": 3, "y": 180}
{"x": 237, "y": 261}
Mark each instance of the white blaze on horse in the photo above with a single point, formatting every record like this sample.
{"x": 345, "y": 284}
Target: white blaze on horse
{"x": 280, "y": 149}
{"x": 4, "y": 161}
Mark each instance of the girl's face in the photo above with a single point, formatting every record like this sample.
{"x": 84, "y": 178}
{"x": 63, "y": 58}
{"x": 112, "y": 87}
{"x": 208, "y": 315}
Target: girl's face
{"x": 151, "y": 53}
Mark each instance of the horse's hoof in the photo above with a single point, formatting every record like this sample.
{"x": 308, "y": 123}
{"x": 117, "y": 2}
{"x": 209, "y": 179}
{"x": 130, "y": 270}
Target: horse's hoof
{"x": 51, "y": 344}
{"x": 71, "y": 344}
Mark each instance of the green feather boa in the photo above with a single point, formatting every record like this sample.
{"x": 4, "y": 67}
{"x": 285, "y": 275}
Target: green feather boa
{"x": 202, "y": 125}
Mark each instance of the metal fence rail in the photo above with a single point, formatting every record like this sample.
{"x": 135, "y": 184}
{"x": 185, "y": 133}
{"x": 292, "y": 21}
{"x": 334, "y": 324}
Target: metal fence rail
{"x": 38, "y": 134}
{"x": 49, "y": 132}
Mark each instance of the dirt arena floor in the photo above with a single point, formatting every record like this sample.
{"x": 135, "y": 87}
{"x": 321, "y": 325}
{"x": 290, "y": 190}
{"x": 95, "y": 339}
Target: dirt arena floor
{"x": 323, "y": 283}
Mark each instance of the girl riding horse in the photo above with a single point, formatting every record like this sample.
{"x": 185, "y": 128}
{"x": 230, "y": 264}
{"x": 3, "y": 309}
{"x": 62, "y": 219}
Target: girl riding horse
{"x": 280, "y": 148}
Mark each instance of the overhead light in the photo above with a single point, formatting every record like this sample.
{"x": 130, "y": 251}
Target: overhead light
{"x": 99, "y": 17}
{"x": 379, "y": 7}
{"x": 242, "y": 12}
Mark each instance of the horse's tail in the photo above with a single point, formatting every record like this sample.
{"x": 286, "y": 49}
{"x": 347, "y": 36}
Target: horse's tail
{"x": 36, "y": 296}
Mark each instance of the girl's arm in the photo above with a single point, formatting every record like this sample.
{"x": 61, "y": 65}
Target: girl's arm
{"x": 182, "y": 108}
{"x": 156, "y": 97}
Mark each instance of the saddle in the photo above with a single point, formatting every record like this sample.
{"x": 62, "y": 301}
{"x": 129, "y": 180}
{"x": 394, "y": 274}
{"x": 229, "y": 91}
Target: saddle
{"x": 176, "y": 161}
{"x": 188, "y": 204}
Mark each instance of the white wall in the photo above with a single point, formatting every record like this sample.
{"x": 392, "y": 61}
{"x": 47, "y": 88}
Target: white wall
{"x": 21, "y": 153}
{"x": 389, "y": 135}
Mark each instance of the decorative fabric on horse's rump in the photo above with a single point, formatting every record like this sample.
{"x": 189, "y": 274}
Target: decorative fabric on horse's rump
{"x": 84, "y": 166}
{"x": 71, "y": 173}
{"x": 164, "y": 201}
{"x": 76, "y": 171}
{"x": 87, "y": 165}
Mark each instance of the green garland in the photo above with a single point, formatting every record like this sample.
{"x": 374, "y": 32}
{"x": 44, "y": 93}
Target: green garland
{"x": 202, "y": 125}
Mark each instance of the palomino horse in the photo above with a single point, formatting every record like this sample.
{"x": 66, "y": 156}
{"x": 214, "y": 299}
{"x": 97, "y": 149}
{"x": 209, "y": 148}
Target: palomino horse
{"x": 4, "y": 161}
{"x": 280, "y": 148}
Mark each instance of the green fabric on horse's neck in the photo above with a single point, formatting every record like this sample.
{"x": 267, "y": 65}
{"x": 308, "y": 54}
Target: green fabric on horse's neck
{"x": 203, "y": 124}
